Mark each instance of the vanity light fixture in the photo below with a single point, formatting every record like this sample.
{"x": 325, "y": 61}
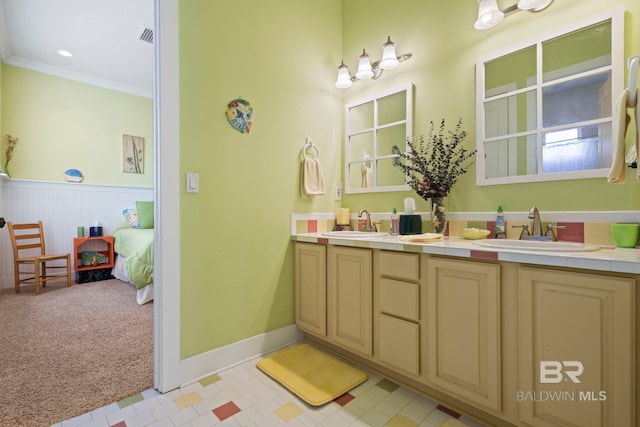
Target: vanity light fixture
{"x": 368, "y": 70}
{"x": 489, "y": 14}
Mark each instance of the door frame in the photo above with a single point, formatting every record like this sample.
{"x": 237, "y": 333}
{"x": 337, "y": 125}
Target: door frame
{"x": 166, "y": 104}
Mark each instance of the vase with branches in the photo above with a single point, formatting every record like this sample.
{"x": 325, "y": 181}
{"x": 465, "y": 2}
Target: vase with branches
{"x": 433, "y": 164}
{"x": 8, "y": 144}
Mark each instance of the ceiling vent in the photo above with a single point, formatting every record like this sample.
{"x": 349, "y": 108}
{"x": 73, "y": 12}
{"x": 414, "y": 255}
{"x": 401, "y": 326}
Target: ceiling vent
{"x": 146, "y": 35}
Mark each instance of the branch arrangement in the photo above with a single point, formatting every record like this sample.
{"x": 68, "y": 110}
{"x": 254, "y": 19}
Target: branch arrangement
{"x": 8, "y": 145}
{"x": 434, "y": 164}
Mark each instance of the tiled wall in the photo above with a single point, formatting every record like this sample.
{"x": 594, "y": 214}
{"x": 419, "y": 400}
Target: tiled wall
{"x": 565, "y": 231}
{"x": 586, "y": 227}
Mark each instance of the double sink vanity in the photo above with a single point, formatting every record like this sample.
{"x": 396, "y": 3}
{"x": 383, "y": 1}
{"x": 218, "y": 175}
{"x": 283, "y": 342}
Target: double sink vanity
{"x": 508, "y": 332}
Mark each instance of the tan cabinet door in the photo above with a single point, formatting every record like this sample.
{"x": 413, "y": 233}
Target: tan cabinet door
{"x": 399, "y": 344}
{"x": 463, "y": 330}
{"x": 311, "y": 288}
{"x": 576, "y": 347}
{"x": 349, "y": 305}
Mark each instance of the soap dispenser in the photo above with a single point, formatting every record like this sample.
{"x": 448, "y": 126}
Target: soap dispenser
{"x": 500, "y": 230}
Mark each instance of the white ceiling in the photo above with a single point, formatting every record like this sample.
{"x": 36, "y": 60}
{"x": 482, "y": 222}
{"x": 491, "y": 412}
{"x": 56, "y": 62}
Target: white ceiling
{"x": 101, "y": 34}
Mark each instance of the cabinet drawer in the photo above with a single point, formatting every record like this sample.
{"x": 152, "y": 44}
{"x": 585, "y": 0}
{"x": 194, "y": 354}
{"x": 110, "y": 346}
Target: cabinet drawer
{"x": 400, "y": 299}
{"x": 400, "y": 344}
{"x": 400, "y": 265}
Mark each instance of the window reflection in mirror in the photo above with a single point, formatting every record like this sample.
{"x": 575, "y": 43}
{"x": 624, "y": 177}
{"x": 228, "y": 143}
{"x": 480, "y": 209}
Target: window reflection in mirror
{"x": 377, "y": 129}
{"x": 544, "y": 108}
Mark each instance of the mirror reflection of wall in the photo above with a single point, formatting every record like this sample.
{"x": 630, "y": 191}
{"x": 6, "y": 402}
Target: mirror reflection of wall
{"x": 377, "y": 129}
{"x": 545, "y": 107}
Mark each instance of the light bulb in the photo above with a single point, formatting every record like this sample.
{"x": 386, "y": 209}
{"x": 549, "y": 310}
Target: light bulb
{"x": 534, "y": 5}
{"x": 364, "y": 67}
{"x": 344, "y": 77}
{"x": 488, "y": 15}
{"x": 389, "y": 59}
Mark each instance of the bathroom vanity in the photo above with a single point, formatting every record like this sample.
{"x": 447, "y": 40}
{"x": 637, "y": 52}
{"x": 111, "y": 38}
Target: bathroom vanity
{"x": 509, "y": 337}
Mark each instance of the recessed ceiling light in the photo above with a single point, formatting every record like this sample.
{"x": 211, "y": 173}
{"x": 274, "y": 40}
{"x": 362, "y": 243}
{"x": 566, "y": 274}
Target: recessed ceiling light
{"x": 65, "y": 53}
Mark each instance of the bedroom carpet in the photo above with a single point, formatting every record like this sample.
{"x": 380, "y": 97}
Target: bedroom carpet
{"x": 71, "y": 350}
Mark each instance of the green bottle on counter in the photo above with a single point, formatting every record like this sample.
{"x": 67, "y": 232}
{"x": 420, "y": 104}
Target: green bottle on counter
{"x": 500, "y": 230}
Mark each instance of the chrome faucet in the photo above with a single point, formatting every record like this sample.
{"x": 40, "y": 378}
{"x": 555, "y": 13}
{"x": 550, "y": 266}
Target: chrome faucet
{"x": 534, "y": 215}
{"x": 536, "y": 233}
{"x": 368, "y": 226}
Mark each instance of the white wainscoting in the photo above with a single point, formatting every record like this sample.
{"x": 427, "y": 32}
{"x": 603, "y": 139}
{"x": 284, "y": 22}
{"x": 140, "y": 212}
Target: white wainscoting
{"x": 62, "y": 207}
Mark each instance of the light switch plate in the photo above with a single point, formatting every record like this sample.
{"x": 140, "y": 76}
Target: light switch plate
{"x": 338, "y": 194}
{"x": 193, "y": 183}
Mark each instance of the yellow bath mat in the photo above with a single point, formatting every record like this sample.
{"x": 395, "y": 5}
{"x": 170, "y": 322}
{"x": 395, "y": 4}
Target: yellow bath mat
{"x": 310, "y": 374}
{"x": 452, "y": 422}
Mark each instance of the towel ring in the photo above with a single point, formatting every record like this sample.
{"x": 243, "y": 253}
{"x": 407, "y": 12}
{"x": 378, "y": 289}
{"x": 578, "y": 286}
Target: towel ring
{"x": 309, "y": 145}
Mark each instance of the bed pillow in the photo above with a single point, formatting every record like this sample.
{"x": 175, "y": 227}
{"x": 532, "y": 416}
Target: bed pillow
{"x": 145, "y": 214}
{"x": 131, "y": 216}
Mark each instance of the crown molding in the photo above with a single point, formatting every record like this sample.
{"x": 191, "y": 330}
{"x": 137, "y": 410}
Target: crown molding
{"x": 75, "y": 76}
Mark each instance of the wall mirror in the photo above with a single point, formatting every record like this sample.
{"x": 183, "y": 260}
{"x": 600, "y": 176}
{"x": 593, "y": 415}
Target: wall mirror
{"x": 377, "y": 129}
{"x": 544, "y": 108}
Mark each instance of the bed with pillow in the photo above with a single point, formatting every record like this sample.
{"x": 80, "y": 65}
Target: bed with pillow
{"x": 134, "y": 246}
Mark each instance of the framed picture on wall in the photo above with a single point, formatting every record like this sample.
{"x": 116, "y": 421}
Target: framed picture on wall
{"x": 132, "y": 154}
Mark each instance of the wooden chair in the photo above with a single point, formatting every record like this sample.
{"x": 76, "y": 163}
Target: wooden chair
{"x": 29, "y": 250}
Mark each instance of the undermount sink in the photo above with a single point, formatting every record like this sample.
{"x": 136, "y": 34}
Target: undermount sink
{"x": 537, "y": 245}
{"x": 356, "y": 234}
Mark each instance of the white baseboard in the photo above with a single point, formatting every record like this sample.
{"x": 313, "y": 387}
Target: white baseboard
{"x": 205, "y": 364}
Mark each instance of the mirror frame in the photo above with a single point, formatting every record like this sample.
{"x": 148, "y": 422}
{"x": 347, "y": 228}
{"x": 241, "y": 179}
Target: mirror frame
{"x": 408, "y": 122}
{"x": 616, "y": 16}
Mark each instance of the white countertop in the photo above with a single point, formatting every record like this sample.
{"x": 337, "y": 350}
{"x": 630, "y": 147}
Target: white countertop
{"x": 617, "y": 260}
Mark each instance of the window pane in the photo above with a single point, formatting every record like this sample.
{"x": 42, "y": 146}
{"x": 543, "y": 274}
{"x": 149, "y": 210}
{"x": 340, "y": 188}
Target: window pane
{"x": 513, "y": 114}
{"x": 361, "y": 117}
{"x": 576, "y": 52}
{"x": 575, "y": 149}
{"x": 510, "y": 72}
{"x": 359, "y": 145}
{"x": 388, "y": 174}
{"x": 511, "y": 157}
{"x": 579, "y": 100}
{"x": 391, "y": 139}
{"x": 392, "y": 109}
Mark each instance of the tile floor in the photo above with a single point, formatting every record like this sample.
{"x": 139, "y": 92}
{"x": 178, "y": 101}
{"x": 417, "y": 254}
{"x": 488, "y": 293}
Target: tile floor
{"x": 245, "y": 396}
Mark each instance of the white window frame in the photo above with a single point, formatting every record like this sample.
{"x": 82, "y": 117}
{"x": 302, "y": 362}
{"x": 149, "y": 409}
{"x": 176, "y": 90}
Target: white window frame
{"x": 373, "y": 157}
{"x": 616, "y": 15}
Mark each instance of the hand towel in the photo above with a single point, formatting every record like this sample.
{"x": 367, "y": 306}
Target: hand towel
{"x": 367, "y": 175}
{"x": 636, "y": 110}
{"x": 617, "y": 173}
{"x": 422, "y": 238}
{"x": 312, "y": 178}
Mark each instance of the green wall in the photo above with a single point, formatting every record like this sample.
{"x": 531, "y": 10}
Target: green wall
{"x": 236, "y": 257}
{"x": 63, "y": 124}
{"x": 282, "y": 56}
{"x": 445, "y": 47}
{"x": 1, "y": 133}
